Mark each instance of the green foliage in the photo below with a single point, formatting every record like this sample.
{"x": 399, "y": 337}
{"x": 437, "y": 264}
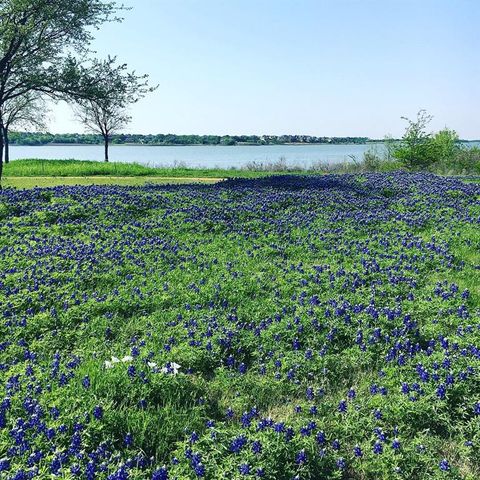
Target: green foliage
{"x": 467, "y": 160}
{"x": 37, "y": 38}
{"x": 106, "y": 111}
{"x": 227, "y": 140}
{"x": 464, "y": 161}
{"x": 35, "y": 138}
{"x": 440, "y": 152}
{"x": 416, "y": 150}
{"x": 445, "y": 145}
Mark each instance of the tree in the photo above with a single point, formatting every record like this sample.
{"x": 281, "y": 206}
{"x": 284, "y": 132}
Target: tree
{"x": 446, "y": 145}
{"x": 106, "y": 112}
{"x": 25, "y": 111}
{"x": 227, "y": 140}
{"x": 416, "y": 149}
{"x": 38, "y": 41}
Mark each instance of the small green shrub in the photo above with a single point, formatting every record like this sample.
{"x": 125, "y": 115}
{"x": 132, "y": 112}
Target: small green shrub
{"x": 416, "y": 150}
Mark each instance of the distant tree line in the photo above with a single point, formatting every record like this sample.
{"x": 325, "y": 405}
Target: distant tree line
{"x": 38, "y": 138}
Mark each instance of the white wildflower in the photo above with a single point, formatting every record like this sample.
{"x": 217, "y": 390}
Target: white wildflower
{"x": 171, "y": 367}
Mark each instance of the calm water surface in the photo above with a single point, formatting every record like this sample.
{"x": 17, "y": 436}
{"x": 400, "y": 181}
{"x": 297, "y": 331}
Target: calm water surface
{"x": 203, "y": 156}
{"x": 199, "y": 156}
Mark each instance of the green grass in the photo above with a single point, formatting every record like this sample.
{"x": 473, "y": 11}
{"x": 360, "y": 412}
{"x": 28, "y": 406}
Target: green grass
{"x": 82, "y": 168}
{"x": 29, "y": 173}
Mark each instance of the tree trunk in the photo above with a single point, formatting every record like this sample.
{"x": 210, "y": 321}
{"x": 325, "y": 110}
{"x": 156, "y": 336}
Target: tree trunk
{"x": 105, "y": 137}
{"x": 1, "y": 145}
{"x": 1, "y": 158}
{"x": 6, "y": 144}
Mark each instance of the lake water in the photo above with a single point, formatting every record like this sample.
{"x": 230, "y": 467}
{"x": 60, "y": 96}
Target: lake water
{"x": 203, "y": 156}
{"x": 199, "y": 156}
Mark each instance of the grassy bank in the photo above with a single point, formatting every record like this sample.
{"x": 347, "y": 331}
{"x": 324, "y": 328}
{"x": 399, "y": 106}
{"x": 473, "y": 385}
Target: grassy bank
{"x": 46, "y": 173}
{"x": 86, "y": 168}
{"x": 81, "y": 168}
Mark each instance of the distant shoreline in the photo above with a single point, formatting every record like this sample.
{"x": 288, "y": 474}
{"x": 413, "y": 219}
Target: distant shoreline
{"x": 370, "y": 142}
{"x": 237, "y": 144}
{"x": 189, "y": 145}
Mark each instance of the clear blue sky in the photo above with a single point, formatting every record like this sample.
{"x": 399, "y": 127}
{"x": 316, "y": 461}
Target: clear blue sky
{"x": 317, "y": 67}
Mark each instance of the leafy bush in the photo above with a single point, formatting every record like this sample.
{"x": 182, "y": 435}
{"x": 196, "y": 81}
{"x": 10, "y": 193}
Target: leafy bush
{"x": 440, "y": 152}
{"x": 445, "y": 145}
{"x": 464, "y": 161}
{"x": 416, "y": 150}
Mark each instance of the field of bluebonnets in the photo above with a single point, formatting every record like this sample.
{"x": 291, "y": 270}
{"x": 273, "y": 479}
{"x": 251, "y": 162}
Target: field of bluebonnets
{"x": 278, "y": 328}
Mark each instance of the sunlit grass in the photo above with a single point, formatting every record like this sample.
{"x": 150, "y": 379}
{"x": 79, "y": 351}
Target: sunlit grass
{"x": 32, "y": 182}
{"x": 85, "y": 168}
